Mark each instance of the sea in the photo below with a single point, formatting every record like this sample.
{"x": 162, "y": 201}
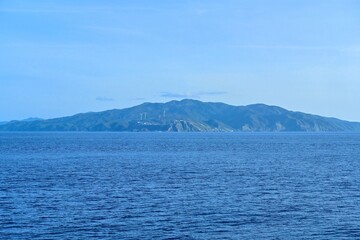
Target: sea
{"x": 67, "y": 185}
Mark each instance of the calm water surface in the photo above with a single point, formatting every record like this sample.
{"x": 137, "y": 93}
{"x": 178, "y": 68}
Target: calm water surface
{"x": 179, "y": 186}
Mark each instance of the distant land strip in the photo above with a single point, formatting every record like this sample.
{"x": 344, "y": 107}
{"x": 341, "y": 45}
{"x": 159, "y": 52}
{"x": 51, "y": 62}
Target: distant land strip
{"x": 188, "y": 116}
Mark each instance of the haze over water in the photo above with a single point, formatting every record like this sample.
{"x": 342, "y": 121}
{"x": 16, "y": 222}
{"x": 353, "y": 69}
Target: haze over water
{"x": 182, "y": 186}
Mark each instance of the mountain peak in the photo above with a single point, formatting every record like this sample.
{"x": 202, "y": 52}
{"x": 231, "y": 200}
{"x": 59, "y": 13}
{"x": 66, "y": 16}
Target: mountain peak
{"x": 187, "y": 115}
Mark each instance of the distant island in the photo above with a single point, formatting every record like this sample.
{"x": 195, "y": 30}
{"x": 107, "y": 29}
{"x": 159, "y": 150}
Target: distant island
{"x": 187, "y": 116}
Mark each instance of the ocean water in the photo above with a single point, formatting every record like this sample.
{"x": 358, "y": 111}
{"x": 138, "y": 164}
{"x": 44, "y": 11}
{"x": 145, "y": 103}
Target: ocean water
{"x": 179, "y": 186}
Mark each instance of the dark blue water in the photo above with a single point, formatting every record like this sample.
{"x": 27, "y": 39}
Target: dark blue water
{"x": 180, "y": 186}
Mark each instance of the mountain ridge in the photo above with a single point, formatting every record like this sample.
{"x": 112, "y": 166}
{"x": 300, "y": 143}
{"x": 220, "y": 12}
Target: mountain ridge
{"x": 188, "y": 116}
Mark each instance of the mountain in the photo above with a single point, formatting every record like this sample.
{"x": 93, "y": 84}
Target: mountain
{"x": 188, "y": 116}
{"x": 24, "y": 120}
{"x": 32, "y": 119}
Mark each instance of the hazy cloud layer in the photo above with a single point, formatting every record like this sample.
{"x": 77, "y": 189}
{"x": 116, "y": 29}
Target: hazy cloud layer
{"x": 104, "y": 99}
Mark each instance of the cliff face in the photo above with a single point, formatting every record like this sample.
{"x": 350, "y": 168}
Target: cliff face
{"x": 188, "y": 126}
{"x": 188, "y": 116}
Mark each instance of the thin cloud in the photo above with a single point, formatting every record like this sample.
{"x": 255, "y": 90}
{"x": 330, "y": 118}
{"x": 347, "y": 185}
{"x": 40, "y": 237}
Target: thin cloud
{"x": 212, "y": 93}
{"x": 139, "y": 99}
{"x": 46, "y": 45}
{"x": 191, "y": 95}
{"x": 44, "y": 10}
{"x": 174, "y": 95}
{"x": 115, "y": 31}
{"x": 345, "y": 49}
{"x": 353, "y": 49}
{"x": 295, "y": 47}
{"x": 104, "y": 99}
{"x": 64, "y": 9}
{"x": 201, "y": 11}
{"x": 118, "y": 31}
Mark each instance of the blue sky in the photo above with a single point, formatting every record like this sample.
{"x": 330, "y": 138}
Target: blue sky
{"x": 63, "y": 57}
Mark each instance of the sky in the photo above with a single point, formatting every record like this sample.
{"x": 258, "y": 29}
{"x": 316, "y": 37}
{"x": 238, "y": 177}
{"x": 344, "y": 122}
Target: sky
{"x": 62, "y": 57}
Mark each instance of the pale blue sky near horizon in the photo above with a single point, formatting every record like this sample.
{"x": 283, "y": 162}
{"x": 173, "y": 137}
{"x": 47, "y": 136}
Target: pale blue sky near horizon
{"x": 59, "y": 58}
